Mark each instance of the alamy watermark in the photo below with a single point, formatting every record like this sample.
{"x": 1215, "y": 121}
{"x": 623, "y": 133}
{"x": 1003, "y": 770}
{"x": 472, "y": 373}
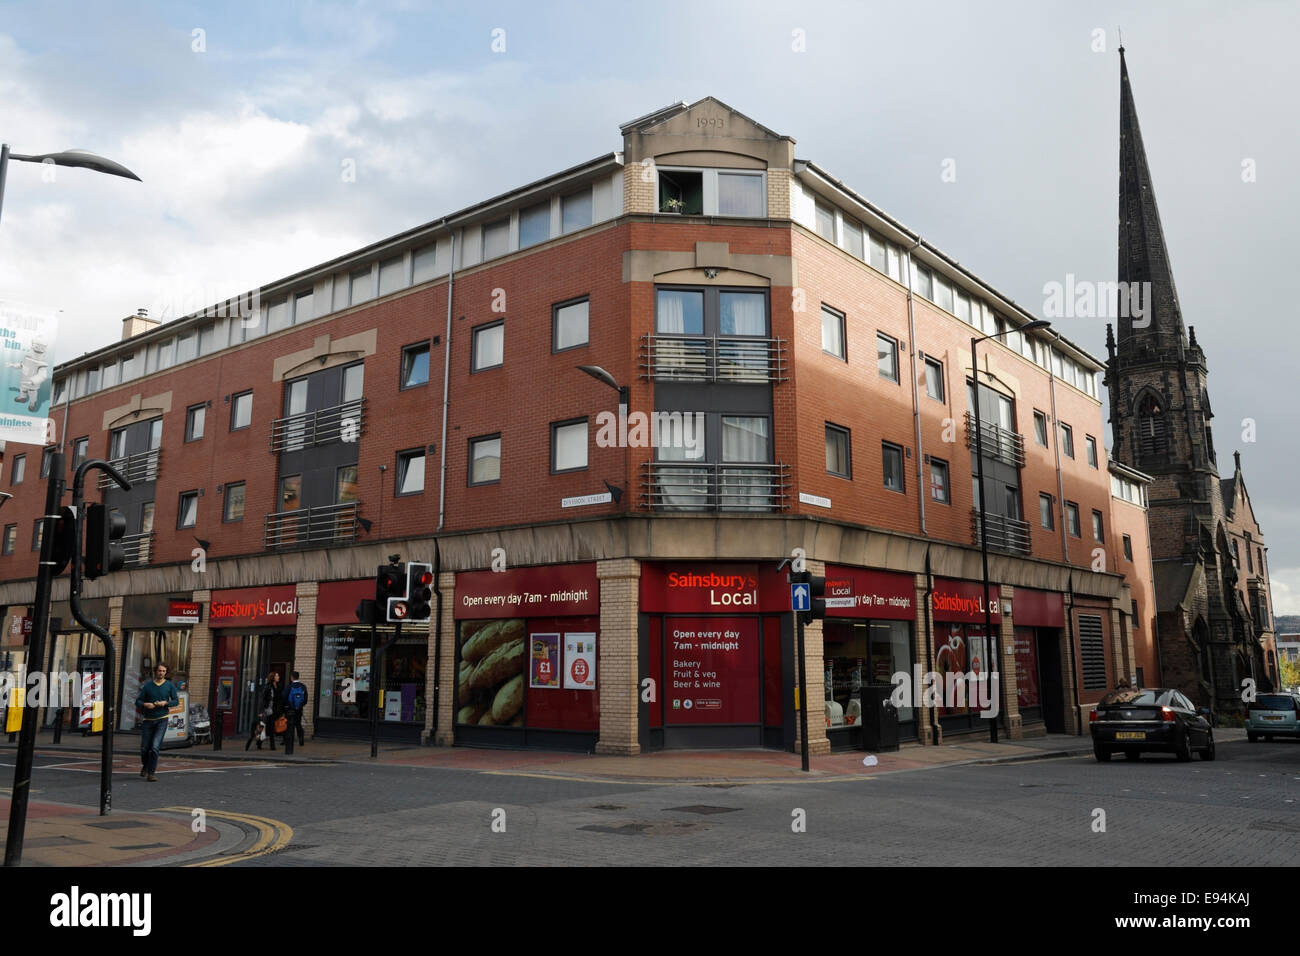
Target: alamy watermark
{"x": 1085, "y": 299}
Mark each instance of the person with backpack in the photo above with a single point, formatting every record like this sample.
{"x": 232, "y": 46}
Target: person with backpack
{"x": 295, "y": 702}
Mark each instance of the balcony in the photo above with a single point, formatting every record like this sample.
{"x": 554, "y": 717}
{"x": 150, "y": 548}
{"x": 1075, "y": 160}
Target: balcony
{"x": 1005, "y": 446}
{"x": 306, "y": 527}
{"x": 134, "y": 468}
{"x": 1010, "y": 535}
{"x": 343, "y": 422}
{"x": 137, "y": 548}
{"x": 712, "y": 358}
{"x": 710, "y": 487}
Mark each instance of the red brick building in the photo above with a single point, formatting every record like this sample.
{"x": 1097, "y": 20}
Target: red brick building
{"x": 798, "y": 375}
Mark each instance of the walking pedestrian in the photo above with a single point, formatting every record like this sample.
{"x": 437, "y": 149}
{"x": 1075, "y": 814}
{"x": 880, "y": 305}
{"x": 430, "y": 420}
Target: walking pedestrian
{"x": 157, "y": 697}
{"x": 295, "y": 702}
{"x": 272, "y": 705}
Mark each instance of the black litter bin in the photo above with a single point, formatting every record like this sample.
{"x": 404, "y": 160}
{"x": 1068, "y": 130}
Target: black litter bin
{"x": 879, "y": 719}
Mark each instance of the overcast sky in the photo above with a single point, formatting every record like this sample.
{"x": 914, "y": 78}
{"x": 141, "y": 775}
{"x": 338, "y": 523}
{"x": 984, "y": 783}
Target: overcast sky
{"x": 240, "y": 134}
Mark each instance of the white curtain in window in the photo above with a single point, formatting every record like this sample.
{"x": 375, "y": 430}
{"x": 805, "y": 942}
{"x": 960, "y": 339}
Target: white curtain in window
{"x": 743, "y": 313}
{"x": 744, "y": 440}
{"x": 671, "y": 313}
{"x": 679, "y": 437}
{"x": 741, "y": 194}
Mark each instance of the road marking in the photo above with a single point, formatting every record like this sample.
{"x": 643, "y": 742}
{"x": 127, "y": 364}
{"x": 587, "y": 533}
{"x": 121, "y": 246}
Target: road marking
{"x": 661, "y": 782}
{"x": 272, "y": 835}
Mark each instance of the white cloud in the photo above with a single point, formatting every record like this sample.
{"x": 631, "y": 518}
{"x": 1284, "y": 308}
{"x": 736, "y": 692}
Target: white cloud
{"x": 1285, "y": 585}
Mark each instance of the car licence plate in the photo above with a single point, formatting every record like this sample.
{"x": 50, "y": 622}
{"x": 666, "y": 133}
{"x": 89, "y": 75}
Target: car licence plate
{"x": 1130, "y": 735}
{"x": 1272, "y": 717}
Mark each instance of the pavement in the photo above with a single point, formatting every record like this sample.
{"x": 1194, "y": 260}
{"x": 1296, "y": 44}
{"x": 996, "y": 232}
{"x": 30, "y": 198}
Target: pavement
{"x": 64, "y": 835}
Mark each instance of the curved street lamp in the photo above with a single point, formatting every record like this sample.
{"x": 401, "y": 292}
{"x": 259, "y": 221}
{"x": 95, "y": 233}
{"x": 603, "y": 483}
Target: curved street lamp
{"x": 82, "y": 158}
{"x": 994, "y": 661}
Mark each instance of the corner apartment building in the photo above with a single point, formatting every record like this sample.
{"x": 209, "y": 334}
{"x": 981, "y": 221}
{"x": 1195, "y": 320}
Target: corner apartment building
{"x": 805, "y": 360}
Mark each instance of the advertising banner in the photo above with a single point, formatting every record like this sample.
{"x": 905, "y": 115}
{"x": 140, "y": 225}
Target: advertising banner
{"x": 580, "y": 661}
{"x": 184, "y": 612}
{"x": 962, "y": 601}
{"x": 547, "y": 591}
{"x": 712, "y": 670}
{"x": 177, "y": 733}
{"x": 858, "y": 592}
{"x": 27, "y": 342}
{"x": 544, "y": 669}
{"x": 1026, "y": 665}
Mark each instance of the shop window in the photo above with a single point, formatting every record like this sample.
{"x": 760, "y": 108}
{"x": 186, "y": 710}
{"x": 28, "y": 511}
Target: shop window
{"x": 11, "y": 539}
{"x": 489, "y": 346}
{"x": 195, "y": 417}
{"x": 833, "y": 333}
{"x": 1128, "y": 547}
{"x": 485, "y": 460}
{"x": 939, "y": 481}
{"x": 887, "y": 356}
{"x": 145, "y": 650}
{"x": 569, "y": 323}
{"x": 187, "y": 514}
{"x": 346, "y": 676}
{"x": 18, "y": 470}
{"x": 838, "y": 461}
{"x": 410, "y": 472}
{"x": 568, "y": 446}
{"x": 861, "y": 652}
{"x": 415, "y": 365}
{"x": 934, "y": 379}
{"x": 233, "y": 507}
{"x": 534, "y": 224}
{"x": 893, "y": 466}
{"x": 241, "y": 411}
{"x": 576, "y": 211}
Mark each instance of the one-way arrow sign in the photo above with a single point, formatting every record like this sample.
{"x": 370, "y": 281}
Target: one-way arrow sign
{"x": 799, "y": 597}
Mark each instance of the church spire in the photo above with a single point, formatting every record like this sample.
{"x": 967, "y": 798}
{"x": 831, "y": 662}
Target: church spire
{"x": 1143, "y": 257}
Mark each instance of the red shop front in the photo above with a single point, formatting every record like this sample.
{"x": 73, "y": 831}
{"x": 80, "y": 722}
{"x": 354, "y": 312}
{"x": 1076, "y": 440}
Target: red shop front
{"x": 254, "y": 631}
{"x": 961, "y": 643}
{"x": 1039, "y": 638}
{"x": 715, "y": 642}
{"x": 527, "y": 649}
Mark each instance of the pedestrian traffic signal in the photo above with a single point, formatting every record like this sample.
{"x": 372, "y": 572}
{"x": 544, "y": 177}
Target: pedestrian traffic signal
{"x": 105, "y": 553}
{"x": 419, "y": 591}
{"x": 817, "y": 594}
{"x": 390, "y": 592}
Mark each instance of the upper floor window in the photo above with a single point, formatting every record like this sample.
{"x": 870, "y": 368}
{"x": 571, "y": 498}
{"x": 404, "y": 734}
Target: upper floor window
{"x": 1067, "y": 440}
{"x": 425, "y": 263}
{"x": 392, "y": 275}
{"x": 887, "y": 357}
{"x": 893, "y": 466}
{"x": 109, "y": 374}
{"x": 1098, "y": 529}
{"x": 117, "y": 444}
{"x": 741, "y": 194}
{"x": 535, "y": 224}
{"x": 496, "y": 239}
{"x": 1128, "y": 547}
{"x": 241, "y": 411}
{"x": 47, "y": 459}
{"x": 415, "y": 365}
{"x": 681, "y": 191}
{"x": 838, "y": 461}
{"x": 575, "y": 211}
{"x": 1040, "y": 428}
{"x": 679, "y": 312}
{"x": 277, "y": 316}
{"x": 410, "y": 472}
{"x": 833, "y": 332}
{"x": 187, "y": 514}
{"x": 10, "y": 540}
{"x": 1046, "y": 517}
{"x": 195, "y": 418}
{"x": 939, "y": 481}
{"x": 1090, "y": 445}
{"x": 825, "y": 220}
{"x": 80, "y": 449}
{"x": 304, "y": 307}
{"x": 568, "y": 446}
{"x": 922, "y": 282}
{"x": 187, "y": 347}
{"x": 489, "y": 346}
{"x": 354, "y": 380}
{"x": 1152, "y": 438}
{"x": 233, "y": 506}
{"x": 19, "y": 469}
{"x": 853, "y": 242}
{"x": 485, "y": 460}
{"x": 934, "y": 379}
{"x": 942, "y": 294}
{"x": 569, "y": 325}
{"x": 1072, "y": 519}
{"x": 361, "y": 286}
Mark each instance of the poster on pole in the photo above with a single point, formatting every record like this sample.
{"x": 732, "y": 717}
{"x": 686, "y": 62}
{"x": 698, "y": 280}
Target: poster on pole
{"x": 27, "y": 346}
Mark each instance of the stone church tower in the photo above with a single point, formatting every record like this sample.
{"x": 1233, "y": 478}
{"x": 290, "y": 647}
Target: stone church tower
{"x": 1208, "y": 639}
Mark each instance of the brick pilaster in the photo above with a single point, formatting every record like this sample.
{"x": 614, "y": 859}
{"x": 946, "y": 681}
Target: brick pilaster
{"x": 446, "y": 695}
{"x": 201, "y": 640}
{"x": 305, "y": 650}
{"x": 1007, "y": 671}
{"x": 815, "y": 675}
{"x": 617, "y": 674}
{"x": 924, "y": 640}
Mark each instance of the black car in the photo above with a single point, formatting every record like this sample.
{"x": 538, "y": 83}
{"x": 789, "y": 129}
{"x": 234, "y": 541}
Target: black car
{"x": 1133, "y": 720}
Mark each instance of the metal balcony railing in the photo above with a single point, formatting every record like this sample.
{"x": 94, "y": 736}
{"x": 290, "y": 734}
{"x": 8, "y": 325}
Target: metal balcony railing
{"x": 343, "y": 422}
{"x": 304, "y": 527}
{"x": 135, "y": 468}
{"x": 1010, "y": 535}
{"x": 999, "y": 443}
{"x": 713, "y": 358}
{"x": 705, "y": 487}
{"x": 138, "y": 548}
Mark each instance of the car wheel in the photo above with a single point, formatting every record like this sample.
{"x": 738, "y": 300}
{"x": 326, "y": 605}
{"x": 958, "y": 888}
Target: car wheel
{"x": 1183, "y": 749}
{"x": 1252, "y": 737}
{"x": 1208, "y": 752}
{"x": 1132, "y": 754}
{"x": 1101, "y": 753}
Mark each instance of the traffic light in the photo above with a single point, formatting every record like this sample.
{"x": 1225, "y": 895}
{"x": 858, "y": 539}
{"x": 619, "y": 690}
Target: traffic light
{"x": 105, "y": 553}
{"x": 816, "y": 594}
{"x": 65, "y": 539}
{"x": 390, "y": 592}
{"x": 419, "y": 591}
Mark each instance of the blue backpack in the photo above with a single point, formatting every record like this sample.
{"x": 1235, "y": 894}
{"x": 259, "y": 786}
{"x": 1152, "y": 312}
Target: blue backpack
{"x": 297, "y": 695}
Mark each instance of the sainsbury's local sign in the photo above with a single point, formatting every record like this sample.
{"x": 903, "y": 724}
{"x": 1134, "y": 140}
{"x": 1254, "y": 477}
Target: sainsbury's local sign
{"x": 254, "y": 607}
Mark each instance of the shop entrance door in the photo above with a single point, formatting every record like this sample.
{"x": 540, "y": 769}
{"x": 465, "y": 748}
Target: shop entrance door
{"x": 259, "y": 654}
{"x": 1050, "y": 687}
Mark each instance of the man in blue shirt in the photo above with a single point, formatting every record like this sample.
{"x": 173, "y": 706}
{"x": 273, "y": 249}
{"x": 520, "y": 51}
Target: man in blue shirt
{"x": 157, "y": 698}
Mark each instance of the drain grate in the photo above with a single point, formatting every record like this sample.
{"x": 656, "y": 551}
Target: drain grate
{"x": 627, "y": 829}
{"x": 118, "y": 824}
{"x": 607, "y": 806}
{"x": 144, "y": 846}
{"x": 702, "y": 808}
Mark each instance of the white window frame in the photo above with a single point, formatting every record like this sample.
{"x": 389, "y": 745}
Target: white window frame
{"x": 709, "y": 186}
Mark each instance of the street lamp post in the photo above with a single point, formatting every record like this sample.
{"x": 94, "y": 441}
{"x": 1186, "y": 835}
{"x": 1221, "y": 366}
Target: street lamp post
{"x": 994, "y": 660}
{"x": 69, "y": 157}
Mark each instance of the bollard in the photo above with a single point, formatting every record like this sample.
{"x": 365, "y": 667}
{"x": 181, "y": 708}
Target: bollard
{"x": 58, "y": 725}
{"x": 288, "y": 738}
{"x": 218, "y": 727}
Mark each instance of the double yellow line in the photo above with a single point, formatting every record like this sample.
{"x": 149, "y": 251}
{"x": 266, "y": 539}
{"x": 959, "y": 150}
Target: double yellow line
{"x": 272, "y": 835}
